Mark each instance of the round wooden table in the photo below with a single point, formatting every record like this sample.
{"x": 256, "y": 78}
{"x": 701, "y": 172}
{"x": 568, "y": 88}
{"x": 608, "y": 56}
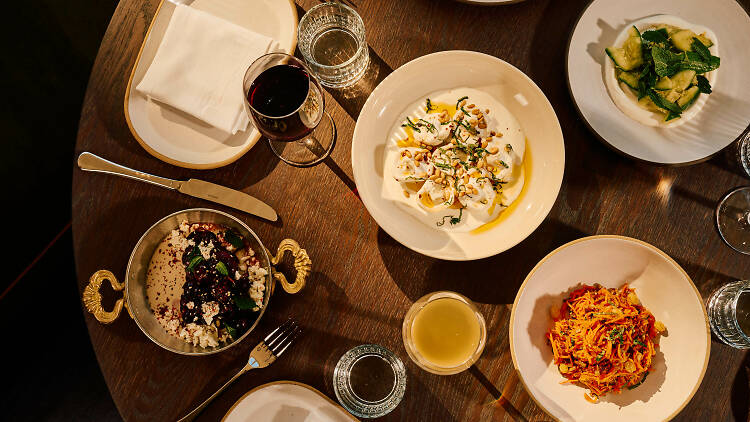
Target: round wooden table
{"x": 364, "y": 281}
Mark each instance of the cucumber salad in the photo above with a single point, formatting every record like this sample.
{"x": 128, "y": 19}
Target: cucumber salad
{"x": 663, "y": 67}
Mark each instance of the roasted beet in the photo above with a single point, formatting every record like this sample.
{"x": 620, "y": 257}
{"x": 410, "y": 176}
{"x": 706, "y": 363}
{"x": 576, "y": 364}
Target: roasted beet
{"x": 212, "y": 279}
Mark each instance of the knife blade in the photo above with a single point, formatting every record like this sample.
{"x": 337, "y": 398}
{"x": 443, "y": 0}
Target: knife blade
{"x": 229, "y": 197}
{"x": 193, "y": 187}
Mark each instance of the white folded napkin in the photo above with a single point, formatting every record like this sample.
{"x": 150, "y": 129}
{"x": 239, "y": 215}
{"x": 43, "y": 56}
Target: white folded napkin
{"x": 199, "y": 67}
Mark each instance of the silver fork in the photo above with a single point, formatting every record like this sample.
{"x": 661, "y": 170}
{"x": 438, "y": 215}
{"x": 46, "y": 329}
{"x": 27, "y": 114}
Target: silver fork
{"x": 264, "y": 354}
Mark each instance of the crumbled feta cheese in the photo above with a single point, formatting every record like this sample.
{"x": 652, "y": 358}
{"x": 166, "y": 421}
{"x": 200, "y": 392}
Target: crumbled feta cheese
{"x": 206, "y": 249}
{"x": 190, "y": 305}
{"x": 203, "y": 335}
{"x": 210, "y": 310}
{"x": 258, "y": 278}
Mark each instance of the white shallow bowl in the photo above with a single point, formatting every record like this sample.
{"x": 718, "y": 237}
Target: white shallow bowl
{"x": 726, "y": 112}
{"x": 390, "y": 102}
{"x": 662, "y": 286}
{"x": 180, "y": 139}
{"x": 286, "y": 401}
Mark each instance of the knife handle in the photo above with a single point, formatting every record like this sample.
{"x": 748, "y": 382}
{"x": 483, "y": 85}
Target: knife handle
{"x": 90, "y": 162}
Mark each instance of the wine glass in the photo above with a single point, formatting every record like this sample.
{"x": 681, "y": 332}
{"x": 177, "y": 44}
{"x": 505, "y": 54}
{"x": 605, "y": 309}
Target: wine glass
{"x": 287, "y": 106}
{"x": 733, "y": 211}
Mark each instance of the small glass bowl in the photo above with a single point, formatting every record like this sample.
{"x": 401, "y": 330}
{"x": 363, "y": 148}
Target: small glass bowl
{"x": 411, "y": 349}
{"x": 350, "y": 400}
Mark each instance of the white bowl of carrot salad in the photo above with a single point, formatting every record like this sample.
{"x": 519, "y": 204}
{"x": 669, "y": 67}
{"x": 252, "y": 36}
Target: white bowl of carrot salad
{"x": 609, "y": 328}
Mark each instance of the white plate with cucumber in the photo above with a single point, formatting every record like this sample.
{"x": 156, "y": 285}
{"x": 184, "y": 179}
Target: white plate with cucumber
{"x": 658, "y": 87}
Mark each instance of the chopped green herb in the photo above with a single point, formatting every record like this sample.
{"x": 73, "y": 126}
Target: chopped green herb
{"x": 663, "y": 103}
{"x": 231, "y": 331}
{"x": 703, "y": 85}
{"x": 701, "y": 49}
{"x": 243, "y": 301}
{"x": 616, "y": 334}
{"x": 639, "y": 382}
{"x": 193, "y": 262}
{"x": 429, "y": 107}
{"x": 233, "y": 238}
{"x": 459, "y": 101}
{"x": 410, "y": 124}
{"x": 428, "y": 125}
{"x": 221, "y": 268}
{"x": 658, "y": 36}
{"x": 453, "y": 220}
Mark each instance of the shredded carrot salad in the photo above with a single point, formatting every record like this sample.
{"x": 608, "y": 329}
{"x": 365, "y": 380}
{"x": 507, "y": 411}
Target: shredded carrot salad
{"x": 603, "y": 339}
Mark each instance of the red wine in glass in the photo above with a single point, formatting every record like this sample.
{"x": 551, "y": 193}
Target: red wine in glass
{"x": 285, "y": 102}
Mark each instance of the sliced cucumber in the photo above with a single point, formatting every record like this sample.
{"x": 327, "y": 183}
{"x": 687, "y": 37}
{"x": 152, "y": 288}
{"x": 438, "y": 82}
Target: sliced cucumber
{"x": 649, "y": 105}
{"x": 629, "y": 78}
{"x": 702, "y": 38}
{"x": 688, "y": 97}
{"x": 672, "y": 95}
{"x": 683, "y": 79}
{"x": 665, "y": 83}
{"x": 684, "y": 39}
{"x": 630, "y": 55}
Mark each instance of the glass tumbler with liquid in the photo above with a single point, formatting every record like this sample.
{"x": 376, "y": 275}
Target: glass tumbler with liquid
{"x": 331, "y": 37}
{"x": 729, "y": 314}
{"x": 444, "y": 333}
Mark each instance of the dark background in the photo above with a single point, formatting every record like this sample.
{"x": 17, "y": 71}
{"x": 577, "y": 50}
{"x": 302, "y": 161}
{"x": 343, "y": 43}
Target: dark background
{"x": 49, "y": 368}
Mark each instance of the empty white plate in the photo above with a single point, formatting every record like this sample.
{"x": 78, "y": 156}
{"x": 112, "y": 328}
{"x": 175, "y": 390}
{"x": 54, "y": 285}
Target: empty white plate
{"x": 286, "y": 401}
{"x": 663, "y": 288}
{"x": 388, "y": 105}
{"x": 723, "y": 118}
{"x": 180, "y": 139}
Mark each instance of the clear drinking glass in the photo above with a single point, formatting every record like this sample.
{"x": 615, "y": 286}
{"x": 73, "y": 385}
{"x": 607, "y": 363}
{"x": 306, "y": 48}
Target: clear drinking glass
{"x": 331, "y": 37}
{"x": 369, "y": 381}
{"x": 733, "y": 219}
{"x": 445, "y": 336}
{"x": 729, "y": 314}
{"x": 287, "y": 106}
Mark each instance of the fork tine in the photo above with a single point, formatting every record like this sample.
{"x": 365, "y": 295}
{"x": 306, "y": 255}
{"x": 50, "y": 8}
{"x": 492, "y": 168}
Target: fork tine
{"x": 288, "y": 340}
{"x": 282, "y": 334}
{"x": 288, "y": 321}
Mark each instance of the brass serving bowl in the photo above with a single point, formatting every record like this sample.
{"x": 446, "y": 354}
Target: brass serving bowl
{"x": 134, "y": 297}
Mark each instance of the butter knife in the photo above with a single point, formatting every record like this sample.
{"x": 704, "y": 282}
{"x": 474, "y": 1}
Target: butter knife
{"x": 193, "y": 187}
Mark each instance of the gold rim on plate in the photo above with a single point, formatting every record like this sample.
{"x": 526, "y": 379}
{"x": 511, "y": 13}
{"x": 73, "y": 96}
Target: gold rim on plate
{"x": 630, "y": 239}
{"x": 313, "y": 389}
{"x": 163, "y": 157}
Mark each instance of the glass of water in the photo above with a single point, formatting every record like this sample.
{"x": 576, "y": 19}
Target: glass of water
{"x": 331, "y": 37}
{"x": 729, "y": 314}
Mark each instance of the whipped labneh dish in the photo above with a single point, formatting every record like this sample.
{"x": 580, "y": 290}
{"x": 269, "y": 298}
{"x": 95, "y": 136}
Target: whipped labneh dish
{"x": 458, "y": 158}
{"x": 658, "y": 69}
{"x": 204, "y": 284}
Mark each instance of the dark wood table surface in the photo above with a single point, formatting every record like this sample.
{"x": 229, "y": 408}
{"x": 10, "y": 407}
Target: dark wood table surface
{"x": 363, "y": 280}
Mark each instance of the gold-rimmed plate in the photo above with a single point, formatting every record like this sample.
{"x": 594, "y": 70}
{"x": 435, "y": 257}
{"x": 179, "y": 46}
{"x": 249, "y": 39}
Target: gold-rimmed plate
{"x": 173, "y": 136}
{"x": 662, "y": 286}
{"x": 286, "y": 401}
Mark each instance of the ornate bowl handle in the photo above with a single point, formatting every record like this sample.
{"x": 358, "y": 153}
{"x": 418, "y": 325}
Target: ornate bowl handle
{"x": 302, "y": 264}
{"x": 93, "y": 299}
